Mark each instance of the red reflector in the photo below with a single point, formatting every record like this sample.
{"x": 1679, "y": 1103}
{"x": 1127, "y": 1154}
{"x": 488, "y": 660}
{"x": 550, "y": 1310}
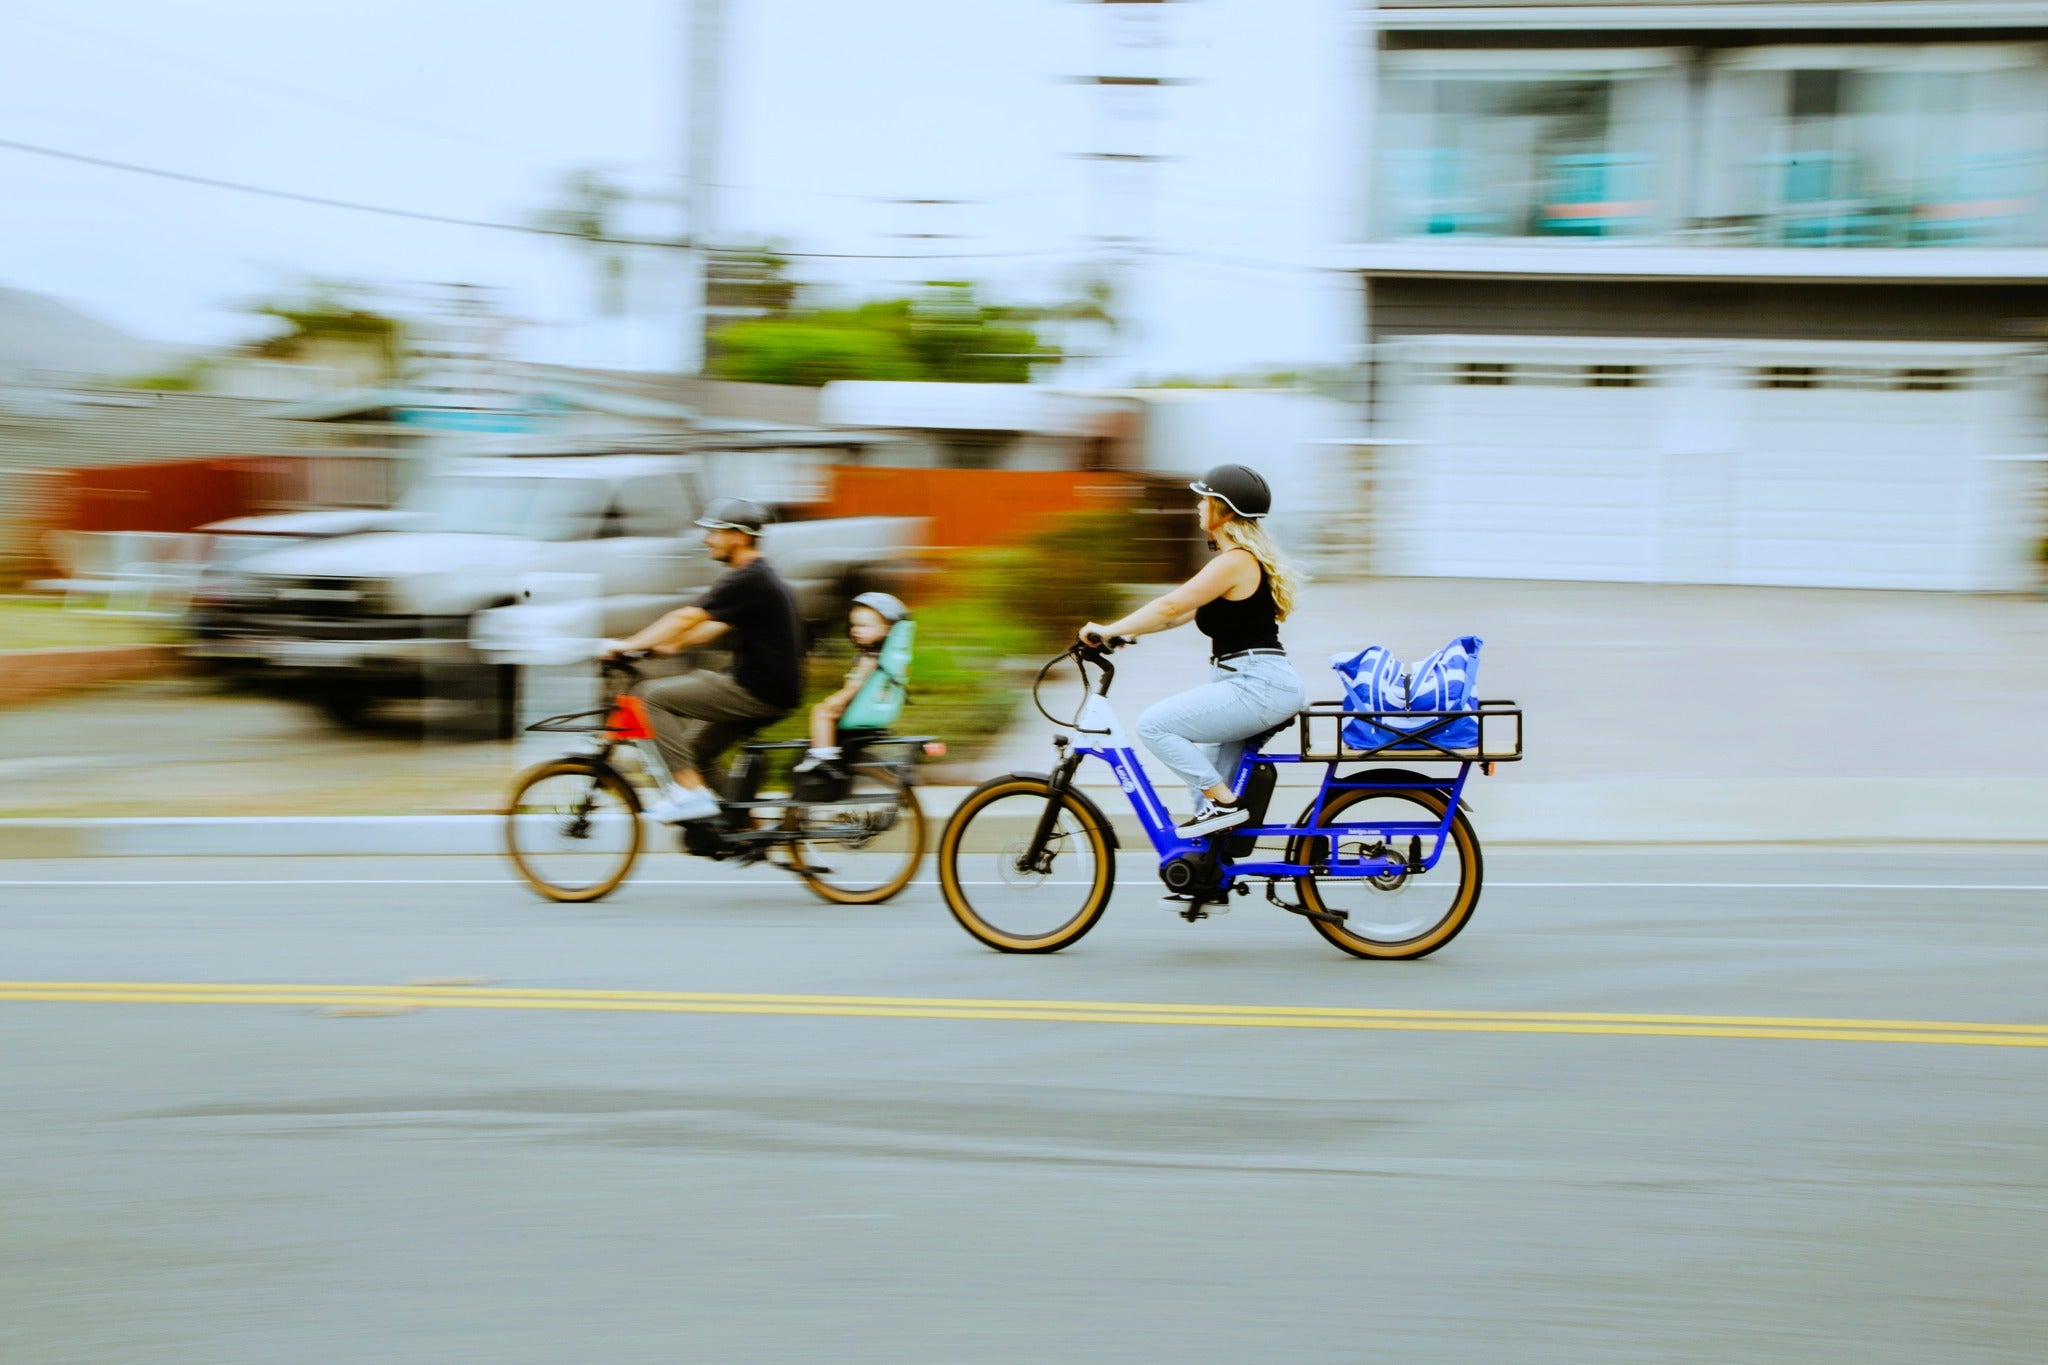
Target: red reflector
{"x": 628, "y": 719}
{"x": 935, "y": 748}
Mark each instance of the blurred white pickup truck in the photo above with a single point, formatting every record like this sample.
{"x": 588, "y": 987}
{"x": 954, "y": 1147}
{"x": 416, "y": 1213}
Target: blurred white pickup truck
{"x": 349, "y": 621}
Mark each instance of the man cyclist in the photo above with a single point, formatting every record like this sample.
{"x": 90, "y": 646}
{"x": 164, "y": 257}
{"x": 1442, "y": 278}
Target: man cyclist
{"x": 700, "y": 714}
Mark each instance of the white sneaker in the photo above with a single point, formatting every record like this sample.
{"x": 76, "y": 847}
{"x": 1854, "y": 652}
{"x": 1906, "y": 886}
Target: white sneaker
{"x": 1214, "y": 817}
{"x": 678, "y": 805}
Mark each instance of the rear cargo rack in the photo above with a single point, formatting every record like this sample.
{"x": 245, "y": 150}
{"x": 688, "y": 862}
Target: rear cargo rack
{"x": 1414, "y": 736}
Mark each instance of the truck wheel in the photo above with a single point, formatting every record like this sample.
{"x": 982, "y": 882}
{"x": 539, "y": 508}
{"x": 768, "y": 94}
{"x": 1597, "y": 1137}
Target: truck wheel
{"x": 502, "y": 701}
{"x": 488, "y": 700}
{"x": 347, "y": 709}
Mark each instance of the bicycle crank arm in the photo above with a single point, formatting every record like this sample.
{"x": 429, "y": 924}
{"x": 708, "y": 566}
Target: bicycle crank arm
{"x": 1329, "y": 917}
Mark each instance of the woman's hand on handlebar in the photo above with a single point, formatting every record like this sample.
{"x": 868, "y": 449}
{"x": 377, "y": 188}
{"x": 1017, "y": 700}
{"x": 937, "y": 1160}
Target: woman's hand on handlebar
{"x": 1094, "y": 635}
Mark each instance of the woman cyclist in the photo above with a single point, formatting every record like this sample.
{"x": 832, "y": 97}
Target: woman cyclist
{"x": 1238, "y": 600}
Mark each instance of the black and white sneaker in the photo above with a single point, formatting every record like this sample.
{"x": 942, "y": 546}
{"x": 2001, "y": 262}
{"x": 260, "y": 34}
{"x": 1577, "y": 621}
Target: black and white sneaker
{"x": 1213, "y": 817}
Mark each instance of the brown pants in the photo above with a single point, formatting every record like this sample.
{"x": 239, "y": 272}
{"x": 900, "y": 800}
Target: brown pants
{"x": 700, "y": 715}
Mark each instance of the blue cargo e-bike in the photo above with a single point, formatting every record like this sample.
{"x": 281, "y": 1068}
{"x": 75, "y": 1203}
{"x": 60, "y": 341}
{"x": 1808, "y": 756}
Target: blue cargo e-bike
{"x": 1382, "y": 861}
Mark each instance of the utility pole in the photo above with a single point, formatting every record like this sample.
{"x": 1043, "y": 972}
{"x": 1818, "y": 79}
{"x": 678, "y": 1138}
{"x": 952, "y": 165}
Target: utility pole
{"x": 1127, "y": 85}
{"x": 923, "y": 221}
{"x": 703, "y": 107}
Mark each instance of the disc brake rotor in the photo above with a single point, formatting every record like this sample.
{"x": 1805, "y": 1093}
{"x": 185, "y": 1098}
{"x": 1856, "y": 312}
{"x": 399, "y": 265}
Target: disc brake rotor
{"x": 1009, "y": 868}
{"x": 1392, "y": 883}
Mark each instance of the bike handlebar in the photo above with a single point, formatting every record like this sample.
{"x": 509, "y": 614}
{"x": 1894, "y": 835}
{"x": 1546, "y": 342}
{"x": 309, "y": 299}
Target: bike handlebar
{"x": 1082, "y": 654}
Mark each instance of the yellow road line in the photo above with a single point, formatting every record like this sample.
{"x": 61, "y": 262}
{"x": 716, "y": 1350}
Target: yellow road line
{"x": 1956, "y": 1033}
{"x": 974, "y": 1002}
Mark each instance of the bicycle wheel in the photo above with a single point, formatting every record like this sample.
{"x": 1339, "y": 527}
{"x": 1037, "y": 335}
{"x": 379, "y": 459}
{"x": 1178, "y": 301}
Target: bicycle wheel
{"x": 1397, "y": 915}
{"x": 573, "y": 829}
{"x": 865, "y": 847}
{"x": 1017, "y": 911}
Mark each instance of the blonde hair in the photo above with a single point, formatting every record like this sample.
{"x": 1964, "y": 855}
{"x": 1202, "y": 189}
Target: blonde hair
{"x": 1238, "y": 533}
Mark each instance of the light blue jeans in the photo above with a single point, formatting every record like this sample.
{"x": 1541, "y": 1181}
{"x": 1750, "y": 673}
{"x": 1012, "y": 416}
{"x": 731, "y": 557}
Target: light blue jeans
{"x": 1200, "y": 733}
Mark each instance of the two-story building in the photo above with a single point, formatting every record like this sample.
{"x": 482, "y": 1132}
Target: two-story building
{"x": 1735, "y": 291}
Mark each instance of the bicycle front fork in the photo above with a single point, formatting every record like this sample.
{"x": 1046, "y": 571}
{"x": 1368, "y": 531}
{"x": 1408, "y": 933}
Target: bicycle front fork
{"x": 1037, "y": 856}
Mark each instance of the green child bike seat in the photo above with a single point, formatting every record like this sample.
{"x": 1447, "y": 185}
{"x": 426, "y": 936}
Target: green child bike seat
{"x": 880, "y": 699}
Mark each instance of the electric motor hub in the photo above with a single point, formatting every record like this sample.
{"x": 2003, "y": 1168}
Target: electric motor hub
{"x": 1189, "y": 875}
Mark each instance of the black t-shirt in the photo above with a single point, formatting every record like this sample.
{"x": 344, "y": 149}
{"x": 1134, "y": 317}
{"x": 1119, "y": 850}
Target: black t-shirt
{"x": 767, "y": 631}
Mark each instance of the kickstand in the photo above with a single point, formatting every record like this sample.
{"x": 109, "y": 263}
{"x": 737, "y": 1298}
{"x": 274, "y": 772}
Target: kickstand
{"x": 1327, "y": 917}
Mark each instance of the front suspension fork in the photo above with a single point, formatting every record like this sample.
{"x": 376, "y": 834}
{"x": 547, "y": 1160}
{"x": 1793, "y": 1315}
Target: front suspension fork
{"x": 1036, "y": 858}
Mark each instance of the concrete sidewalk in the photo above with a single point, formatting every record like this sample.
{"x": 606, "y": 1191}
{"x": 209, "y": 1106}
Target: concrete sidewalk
{"x": 1651, "y": 682}
{"x": 1654, "y": 715}
{"x": 1884, "y": 712}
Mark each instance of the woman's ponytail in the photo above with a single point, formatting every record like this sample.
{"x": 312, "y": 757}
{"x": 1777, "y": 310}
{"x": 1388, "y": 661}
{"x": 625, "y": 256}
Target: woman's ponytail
{"x": 1237, "y": 533}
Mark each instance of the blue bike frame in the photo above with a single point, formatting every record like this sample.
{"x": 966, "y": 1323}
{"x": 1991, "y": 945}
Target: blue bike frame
{"x": 1098, "y": 720}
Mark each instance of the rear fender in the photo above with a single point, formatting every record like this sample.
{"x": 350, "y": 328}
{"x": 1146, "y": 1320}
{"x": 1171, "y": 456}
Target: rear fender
{"x": 1399, "y": 777}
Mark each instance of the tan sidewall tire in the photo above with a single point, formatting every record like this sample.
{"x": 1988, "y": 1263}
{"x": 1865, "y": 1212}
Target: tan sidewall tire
{"x": 1445, "y": 929}
{"x": 607, "y": 777}
{"x": 956, "y": 901}
{"x": 906, "y": 799}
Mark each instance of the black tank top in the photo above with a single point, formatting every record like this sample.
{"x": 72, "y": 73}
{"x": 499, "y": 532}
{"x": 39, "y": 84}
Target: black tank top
{"x": 1253, "y": 623}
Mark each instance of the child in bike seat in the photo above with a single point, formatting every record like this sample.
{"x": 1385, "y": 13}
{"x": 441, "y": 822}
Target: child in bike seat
{"x": 872, "y": 618}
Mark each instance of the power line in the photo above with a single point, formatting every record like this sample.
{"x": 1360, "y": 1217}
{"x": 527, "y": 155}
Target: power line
{"x": 193, "y": 63}
{"x": 1243, "y": 262}
{"x": 240, "y": 187}
{"x": 450, "y": 220}
{"x": 190, "y": 63}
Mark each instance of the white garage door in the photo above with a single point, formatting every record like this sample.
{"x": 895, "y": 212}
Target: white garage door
{"x": 1766, "y": 463}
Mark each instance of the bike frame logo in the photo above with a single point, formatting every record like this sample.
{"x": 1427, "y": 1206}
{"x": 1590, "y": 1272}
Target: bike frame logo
{"x": 1123, "y": 776}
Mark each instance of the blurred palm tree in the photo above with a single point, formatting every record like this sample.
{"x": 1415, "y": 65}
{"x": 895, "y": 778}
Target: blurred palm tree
{"x": 587, "y": 208}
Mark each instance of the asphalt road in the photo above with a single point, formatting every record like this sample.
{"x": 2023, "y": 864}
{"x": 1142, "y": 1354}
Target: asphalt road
{"x": 645, "y": 1167}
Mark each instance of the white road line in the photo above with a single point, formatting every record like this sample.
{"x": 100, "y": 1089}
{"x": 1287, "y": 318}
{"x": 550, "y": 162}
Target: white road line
{"x": 764, "y": 881}
{"x": 1782, "y": 886}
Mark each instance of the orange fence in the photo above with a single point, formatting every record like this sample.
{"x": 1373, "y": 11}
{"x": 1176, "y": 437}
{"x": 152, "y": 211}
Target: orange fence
{"x": 969, "y": 508}
{"x": 171, "y": 495}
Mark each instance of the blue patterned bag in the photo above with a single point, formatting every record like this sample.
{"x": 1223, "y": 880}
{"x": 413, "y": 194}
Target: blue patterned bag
{"x": 1374, "y": 680}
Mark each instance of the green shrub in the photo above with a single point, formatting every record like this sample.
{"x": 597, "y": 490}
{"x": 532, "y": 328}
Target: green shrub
{"x": 1000, "y": 606}
{"x": 1072, "y": 572}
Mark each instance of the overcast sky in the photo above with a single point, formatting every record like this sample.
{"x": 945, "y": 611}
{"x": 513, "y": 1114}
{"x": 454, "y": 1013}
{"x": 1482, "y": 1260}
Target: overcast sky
{"x": 474, "y": 108}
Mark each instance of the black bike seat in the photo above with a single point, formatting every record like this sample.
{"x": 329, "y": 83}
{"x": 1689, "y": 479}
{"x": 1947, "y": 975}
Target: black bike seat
{"x": 1258, "y": 741}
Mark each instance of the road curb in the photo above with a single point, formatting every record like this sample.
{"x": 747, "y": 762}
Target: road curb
{"x": 1504, "y": 812}
{"x": 28, "y": 675}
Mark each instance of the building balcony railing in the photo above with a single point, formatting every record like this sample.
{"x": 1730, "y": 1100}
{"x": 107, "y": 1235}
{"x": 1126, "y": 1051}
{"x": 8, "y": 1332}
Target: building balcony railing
{"x": 1442, "y": 192}
{"x": 1817, "y": 199}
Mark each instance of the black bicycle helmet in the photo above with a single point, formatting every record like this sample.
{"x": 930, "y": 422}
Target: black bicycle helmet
{"x": 735, "y": 514}
{"x": 1239, "y": 487}
{"x": 888, "y": 606}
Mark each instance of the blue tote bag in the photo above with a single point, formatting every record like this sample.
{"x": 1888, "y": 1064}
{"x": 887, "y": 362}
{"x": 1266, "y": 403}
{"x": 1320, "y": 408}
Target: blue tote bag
{"x": 1448, "y": 680}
